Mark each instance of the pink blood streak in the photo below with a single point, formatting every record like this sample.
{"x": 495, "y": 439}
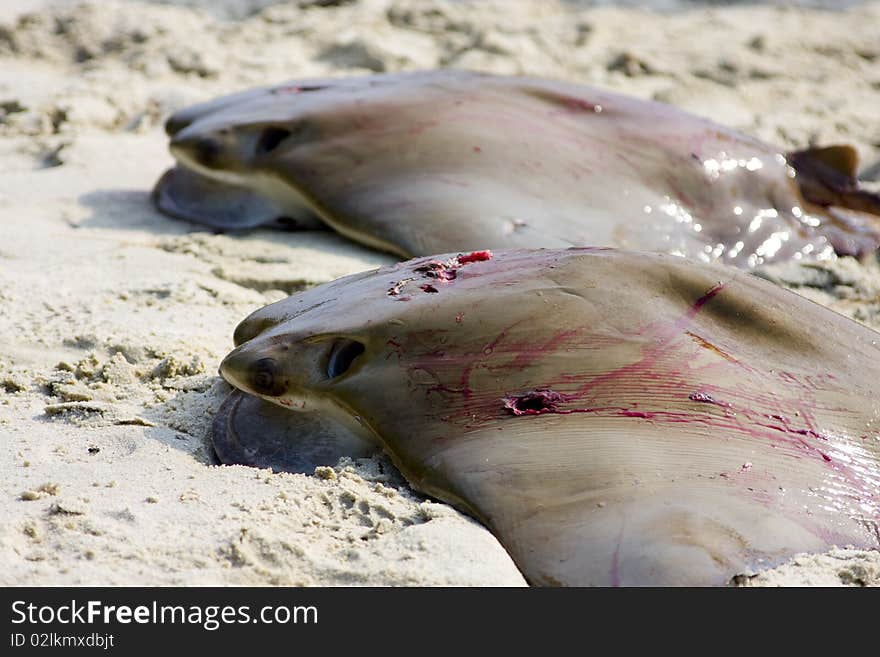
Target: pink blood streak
{"x": 703, "y": 300}
{"x": 664, "y": 337}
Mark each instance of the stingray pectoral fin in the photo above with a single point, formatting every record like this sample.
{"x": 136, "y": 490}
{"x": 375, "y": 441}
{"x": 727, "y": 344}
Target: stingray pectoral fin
{"x": 248, "y": 430}
{"x": 186, "y": 194}
{"x": 583, "y": 500}
{"x": 659, "y": 535}
{"x": 413, "y": 214}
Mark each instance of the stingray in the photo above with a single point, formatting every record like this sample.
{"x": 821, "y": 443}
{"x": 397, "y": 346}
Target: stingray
{"x": 424, "y": 163}
{"x": 613, "y": 417}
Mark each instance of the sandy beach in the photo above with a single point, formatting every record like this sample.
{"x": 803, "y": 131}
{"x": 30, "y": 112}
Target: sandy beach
{"x": 115, "y": 317}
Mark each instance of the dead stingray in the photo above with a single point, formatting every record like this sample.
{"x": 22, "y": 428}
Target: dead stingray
{"x": 612, "y": 417}
{"x": 440, "y": 161}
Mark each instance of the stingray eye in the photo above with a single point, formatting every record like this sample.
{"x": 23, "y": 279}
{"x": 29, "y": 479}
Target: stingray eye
{"x": 342, "y": 354}
{"x": 270, "y": 139}
{"x": 264, "y": 377}
{"x": 207, "y": 151}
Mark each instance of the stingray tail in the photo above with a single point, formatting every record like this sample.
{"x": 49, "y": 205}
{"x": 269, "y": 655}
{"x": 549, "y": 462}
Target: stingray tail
{"x": 827, "y": 177}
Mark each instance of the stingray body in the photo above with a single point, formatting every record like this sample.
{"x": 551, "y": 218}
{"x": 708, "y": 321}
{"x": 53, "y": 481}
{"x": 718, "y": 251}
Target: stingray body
{"x": 612, "y": 417}
{"x": 425, "y": 163}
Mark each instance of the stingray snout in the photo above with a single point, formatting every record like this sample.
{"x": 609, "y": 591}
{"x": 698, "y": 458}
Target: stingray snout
{"x": 258, "y": 376}
{"x": 199, "y": 150}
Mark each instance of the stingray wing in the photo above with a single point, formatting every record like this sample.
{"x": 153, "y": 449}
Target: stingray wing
{"x": 418, "y": 213}
{"x": 583, "y": 501}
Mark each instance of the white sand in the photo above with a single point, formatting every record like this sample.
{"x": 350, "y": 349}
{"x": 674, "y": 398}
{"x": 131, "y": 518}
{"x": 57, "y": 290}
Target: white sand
{"x": 114, "y": 318}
